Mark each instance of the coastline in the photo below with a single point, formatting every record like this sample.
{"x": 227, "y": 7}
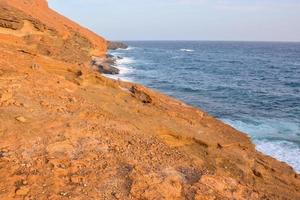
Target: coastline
{"x": 274, "y": 134}
{"x": 69, "y": 132}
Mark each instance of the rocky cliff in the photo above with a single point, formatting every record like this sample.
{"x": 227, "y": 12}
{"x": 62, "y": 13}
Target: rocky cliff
{"x": 48, "y": 33}
{"x": 67, "y": 132}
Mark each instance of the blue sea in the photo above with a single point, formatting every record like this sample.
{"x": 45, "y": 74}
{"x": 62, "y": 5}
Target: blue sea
{"x": 252, "y": 86}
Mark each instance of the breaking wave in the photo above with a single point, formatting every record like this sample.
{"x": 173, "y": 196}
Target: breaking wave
{"x": 187, "y": 50}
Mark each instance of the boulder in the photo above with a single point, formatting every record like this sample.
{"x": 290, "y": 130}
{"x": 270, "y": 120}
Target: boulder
{"x": 105, "y": 65}
{"x": 140, "y": 95}
{"x": 107, "y": 69}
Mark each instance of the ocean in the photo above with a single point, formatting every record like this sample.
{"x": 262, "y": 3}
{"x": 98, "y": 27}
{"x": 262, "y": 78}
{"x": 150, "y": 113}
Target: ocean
{"x": 252, "y": 86}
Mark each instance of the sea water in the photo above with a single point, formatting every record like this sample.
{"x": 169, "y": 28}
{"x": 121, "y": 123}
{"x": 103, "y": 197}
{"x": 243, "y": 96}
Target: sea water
{"x": 252, "y": 86}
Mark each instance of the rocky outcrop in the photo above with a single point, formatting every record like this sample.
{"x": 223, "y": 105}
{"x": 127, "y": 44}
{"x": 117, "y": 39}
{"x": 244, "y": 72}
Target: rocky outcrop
{"x": 105, "y": 65}
{"x": 139, "y": 94}
{"x": 67, "y": 132}
{"x": 116, "y": 45}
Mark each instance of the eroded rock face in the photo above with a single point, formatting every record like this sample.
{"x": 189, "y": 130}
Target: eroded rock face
{"x": 49, "y": 33}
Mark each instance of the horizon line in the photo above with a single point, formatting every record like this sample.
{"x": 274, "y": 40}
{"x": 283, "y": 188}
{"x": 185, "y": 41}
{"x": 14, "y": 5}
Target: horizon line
{"x": 187, "y": 40}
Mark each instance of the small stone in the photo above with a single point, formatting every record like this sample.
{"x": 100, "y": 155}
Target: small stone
{"x": 21, "y": 119}
{"x": 63, "y": 193}
{"x": 62, "y": 166}
{"x": 2, "y": 154}
{"x": 44, "y": 103}
{"x": 17, "y": 103}
{"x": 22, "y": 191}
{"x": 257, "y": 173}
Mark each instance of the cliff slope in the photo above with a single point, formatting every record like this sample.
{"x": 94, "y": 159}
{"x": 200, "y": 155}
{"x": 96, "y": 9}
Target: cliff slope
{"x": 67, "y": 132}
{"x": 48, "y": 33}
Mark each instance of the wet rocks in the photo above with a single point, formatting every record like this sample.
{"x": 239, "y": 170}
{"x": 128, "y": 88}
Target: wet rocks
{"x": 108, "y": 69}
{"x": 116, "y": 45}
{"x": 105, "y": 65}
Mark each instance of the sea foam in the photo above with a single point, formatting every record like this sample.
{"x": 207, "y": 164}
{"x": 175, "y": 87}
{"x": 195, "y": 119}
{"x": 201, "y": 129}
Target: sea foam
{"x": 127, "y": 49}
{"x": 273, "y": 137}
{"x": 125, "y": 61}
{"x": 187, "y": 50}
{"x": 282, "y": 150}
{"x": 123, "y": 64}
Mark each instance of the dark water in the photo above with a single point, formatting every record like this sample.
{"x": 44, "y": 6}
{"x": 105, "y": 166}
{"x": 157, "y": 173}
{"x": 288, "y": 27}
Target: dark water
{"x": 253, "y": 86}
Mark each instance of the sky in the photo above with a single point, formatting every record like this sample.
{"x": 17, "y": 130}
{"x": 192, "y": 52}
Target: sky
{"x": 233, "y": 20}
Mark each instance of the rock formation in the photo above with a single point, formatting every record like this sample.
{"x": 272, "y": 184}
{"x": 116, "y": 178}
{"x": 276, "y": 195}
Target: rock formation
{"x": 67, "y": 132}
{"x": 48, "y": 33}
{"x": 105, "y": 65}
{"x": 116, "y": 45}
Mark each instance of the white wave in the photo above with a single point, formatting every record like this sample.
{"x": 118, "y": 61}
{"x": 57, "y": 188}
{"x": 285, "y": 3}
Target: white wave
{"x": 260, "y": 128}
{"x": 187, "y": 50}
{"x": 119, "y": 77}
{"x": 282, "y": 150}
{"x": 125, "y": 70}
{"x": 127, "y": 49}
{"x": 274, "y": 138}
{"x": 125, "y": 61}
{"x": 297, "y": 64}
{"x": 123, "y": 64}
{"x": 116, "y": 53}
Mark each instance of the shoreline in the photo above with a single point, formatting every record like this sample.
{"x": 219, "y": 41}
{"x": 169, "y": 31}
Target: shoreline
{"x": 272, "y": 148}
{"x": 69, "y": 132}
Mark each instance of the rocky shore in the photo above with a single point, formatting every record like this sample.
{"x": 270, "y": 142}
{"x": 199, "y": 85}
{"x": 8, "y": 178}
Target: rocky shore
{"x": 116, "y": 45}
{"x": 67, "y": 132}
{"x": 105, "y": 65}
{"x": 108, "y": 63}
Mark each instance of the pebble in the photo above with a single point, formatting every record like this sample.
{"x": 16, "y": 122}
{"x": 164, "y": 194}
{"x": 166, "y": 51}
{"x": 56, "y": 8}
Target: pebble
{"x": 21, "y": 119}
{"x": 22, "y": 191}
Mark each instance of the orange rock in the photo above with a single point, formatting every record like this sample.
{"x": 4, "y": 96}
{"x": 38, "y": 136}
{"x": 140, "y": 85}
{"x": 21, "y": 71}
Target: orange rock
{"x": 23, "y": 191}
{"x": 21, "y": 119}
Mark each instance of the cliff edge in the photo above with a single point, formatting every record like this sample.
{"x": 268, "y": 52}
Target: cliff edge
{"x": 67, "y": 132}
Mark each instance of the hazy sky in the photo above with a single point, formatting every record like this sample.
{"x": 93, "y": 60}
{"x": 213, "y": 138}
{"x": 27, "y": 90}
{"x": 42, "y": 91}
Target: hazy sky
{"x": 262, "y": 20}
